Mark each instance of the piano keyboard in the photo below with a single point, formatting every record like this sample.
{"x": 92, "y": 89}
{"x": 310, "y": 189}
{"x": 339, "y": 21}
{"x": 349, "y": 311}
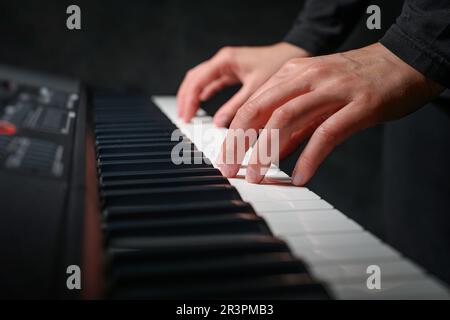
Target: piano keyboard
{"x": 336, "y": 249}
{"x": 181, "y": 231}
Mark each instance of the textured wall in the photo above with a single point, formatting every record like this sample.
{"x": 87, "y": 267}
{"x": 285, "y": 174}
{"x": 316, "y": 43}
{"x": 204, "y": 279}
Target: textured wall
{"x": 137, "y": 44}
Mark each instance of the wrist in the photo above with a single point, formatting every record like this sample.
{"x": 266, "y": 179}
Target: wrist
{"x": 433, "y": 88}
{"x": 290, "y": 51}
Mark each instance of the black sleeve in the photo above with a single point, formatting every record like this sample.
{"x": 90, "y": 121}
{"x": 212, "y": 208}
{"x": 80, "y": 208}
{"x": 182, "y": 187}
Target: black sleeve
{"x": 421, "y": 38}
{"x": 323, "y": 25}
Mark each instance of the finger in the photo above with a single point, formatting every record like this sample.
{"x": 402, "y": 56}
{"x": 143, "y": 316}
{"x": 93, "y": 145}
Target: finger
{"x": 290, "y": 124}
{"x": 252, "y": 116}
{"x": 293, "y": 143}
{"x": 180, "y": 95}
{"x": 226, "y": 113}
{"x": 187, "y": 80}
{"x": 326, "y": 137}
{"x": 256, "y": 112}
{"x": 212, "y": 88}
{"x": 233, "y": 150}
{"x": 197, "y": 80}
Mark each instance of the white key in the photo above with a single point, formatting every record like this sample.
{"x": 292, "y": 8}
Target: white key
{"x": 167, "y": 104}
{"x": 296, "y": 205}
{"x": 316, "y": 255}
{"x": 358, "y": 272}
{"x": 284, "y": 224}
{"x": 304, "y": 214}
{"x": 253, "y": 192}
{"x": 425, "y": 288}
{"x": 273, "y": 175}
{"x": 352, "y": 238}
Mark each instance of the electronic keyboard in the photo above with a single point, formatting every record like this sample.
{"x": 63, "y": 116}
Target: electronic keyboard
{"x": 87, "y": 179}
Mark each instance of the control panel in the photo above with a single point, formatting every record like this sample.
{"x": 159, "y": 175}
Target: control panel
{"x": 36, "y": 123}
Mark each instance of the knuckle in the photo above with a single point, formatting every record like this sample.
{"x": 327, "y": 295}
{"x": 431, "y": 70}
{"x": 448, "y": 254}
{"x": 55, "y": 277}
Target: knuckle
{"x": 318, "y": 70}
{"x": 282, "y": 116}
{"x": 289, "y": 65}
{"x": 248, "y": 111}
{"x": 327, "y": 134}
{"x": 300, "y": 81}
{"x": 227, "y": 52}
{"x": 369, "y": 103}
{"x": 367, "y": 97}
{"x": 287, "y": 68}
{"x": 190, "y": 73}
{"x": 346, "y": 79}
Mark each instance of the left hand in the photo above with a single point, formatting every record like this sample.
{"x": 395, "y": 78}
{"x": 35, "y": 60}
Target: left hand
{"x": 326, "y": 98}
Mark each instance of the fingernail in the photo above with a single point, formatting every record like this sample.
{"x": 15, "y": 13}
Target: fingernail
{"x": 253, "y": 175}
{"x": 297, "y": 178}
{"x": 221, "y": 120}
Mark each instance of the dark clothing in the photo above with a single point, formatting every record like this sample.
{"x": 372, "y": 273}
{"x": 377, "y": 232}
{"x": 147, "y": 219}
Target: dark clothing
{"x": 415, "y": 150}
{"x": 420, "y": 36}
{"x": 322, "y": 26}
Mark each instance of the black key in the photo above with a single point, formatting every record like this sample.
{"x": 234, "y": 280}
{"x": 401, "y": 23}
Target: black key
{"x": 125, "y": 119}
{"x": 154, "y": 174}
{"x": 202, "y": 268}
{"x": 155, "y": 164}
{"x": 187, "y": 226}
{"x": 177, "y": 210}
{"x": 131, "y": 141}
{"x": 142, "y": 147}
{"x": 142, "y": 123}
{"x": 157, "y": 196}
{"x": 125, "y": 128}
{"x": 210, "y": 245}
{"x": 105, "y": 122}
{"x": 101, "y": 137}
{"x": 162, "y": 129}
{"x": 148, "y": 155}
{"x": 166, "y": 182}
{"x": 287, "y": 286}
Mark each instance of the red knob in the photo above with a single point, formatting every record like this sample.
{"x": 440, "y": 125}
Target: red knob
{"x": 7, "y": 128}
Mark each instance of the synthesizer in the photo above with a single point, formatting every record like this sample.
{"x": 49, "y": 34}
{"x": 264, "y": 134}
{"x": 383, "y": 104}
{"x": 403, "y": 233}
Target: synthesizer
{"x": 87, "y": 179}
{"x": 42, "y": 130}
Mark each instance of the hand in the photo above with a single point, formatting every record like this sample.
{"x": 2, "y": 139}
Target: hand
{"x": 251, "y": 66}
{"x": 326, "y": 98}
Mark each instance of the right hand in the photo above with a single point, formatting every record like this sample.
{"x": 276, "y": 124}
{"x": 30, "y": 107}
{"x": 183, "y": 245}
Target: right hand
{"x": 250, "y": 66}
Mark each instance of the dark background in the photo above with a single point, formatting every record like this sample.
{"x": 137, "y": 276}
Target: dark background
{"x": 148, "y": 45}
